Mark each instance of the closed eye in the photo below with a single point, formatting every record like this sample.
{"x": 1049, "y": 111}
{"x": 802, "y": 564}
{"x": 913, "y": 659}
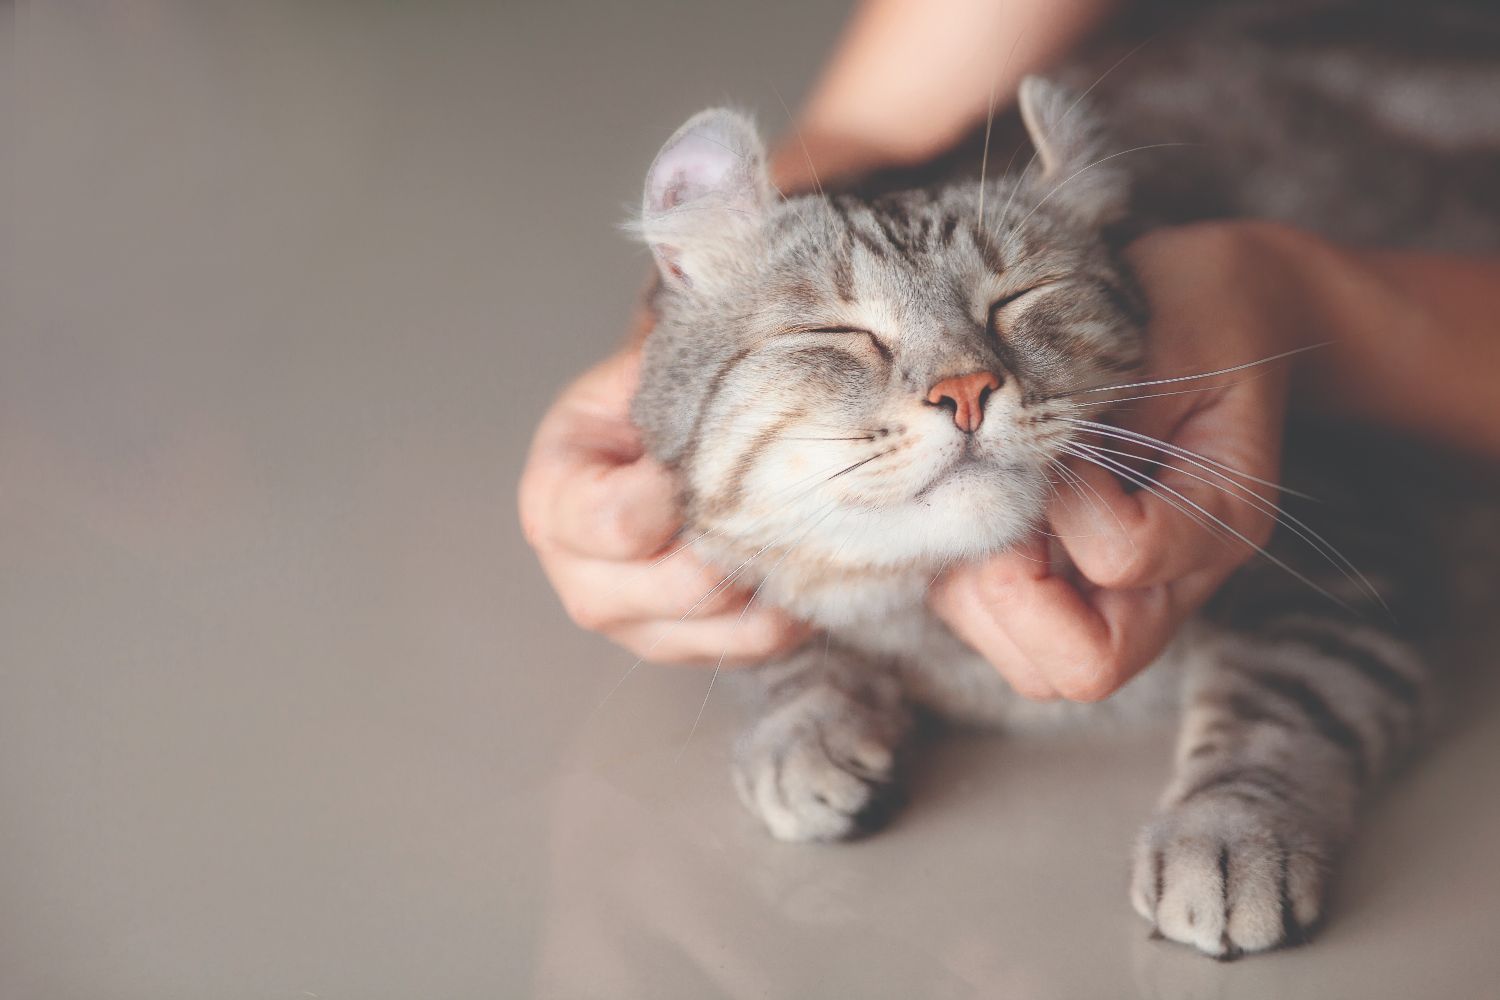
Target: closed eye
{"x": 885, "y": 352}
{"x": 835, "y": 329}
{"x": 1000, "y": 303}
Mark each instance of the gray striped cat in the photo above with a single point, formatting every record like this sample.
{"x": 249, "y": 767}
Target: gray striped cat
{"x": 855, "y": 393}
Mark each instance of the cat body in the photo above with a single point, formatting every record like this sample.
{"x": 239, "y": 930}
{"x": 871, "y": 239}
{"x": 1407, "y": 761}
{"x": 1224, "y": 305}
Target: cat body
{"x": 855, "y": 394}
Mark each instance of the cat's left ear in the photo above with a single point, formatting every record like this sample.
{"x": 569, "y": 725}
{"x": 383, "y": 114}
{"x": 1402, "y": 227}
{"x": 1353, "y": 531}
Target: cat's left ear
{"x": 706, "y": 195}
{"x": 1073, "y": 151}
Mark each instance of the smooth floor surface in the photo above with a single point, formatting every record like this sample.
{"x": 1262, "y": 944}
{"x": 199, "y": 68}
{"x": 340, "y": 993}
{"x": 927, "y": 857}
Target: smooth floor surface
{"x": 286, "y": 707}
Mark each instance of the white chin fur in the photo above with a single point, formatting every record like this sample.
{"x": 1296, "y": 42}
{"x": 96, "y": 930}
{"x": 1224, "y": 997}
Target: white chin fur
{"x": 889, "y": 555}
{"x": 972, "y": 513}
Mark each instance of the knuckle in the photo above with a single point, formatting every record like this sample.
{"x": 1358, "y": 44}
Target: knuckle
{"x": 532, "y": 527}
{"x": 645, "y": 643}
{"x": 1260, "y": 529}
{"x": 531, "y": 511}
{"x": 616, "y": 531}
{"x": 1091, "y": 683}
{"x": 641, "y": 650}
{"x": 586, "y": 613}
{"x": 765, "y": 635}
{"x": 1114, "y": 568}
{"x": 1027, "y": 684}
{"x": 990, "y": 586}
{"x": 718, "y": 602}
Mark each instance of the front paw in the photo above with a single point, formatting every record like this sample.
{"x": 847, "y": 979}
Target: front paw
{"x": 821, "y": 767}
{"x": 1230, "y": 877}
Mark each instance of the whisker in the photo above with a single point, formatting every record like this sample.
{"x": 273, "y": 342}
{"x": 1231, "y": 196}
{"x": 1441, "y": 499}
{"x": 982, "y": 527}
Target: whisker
{"x": 719, "y": 666}
{"x": 1076, "y": 101}
{"x": 733, "y": 575}
{"x": 802, "y": 213}
{"x": 989, "y": 122}
{"x": 1315, "y": 541}
{"x": 856, "y": 465}
{"x": 1185, "y": 378}
{"x": 1158, "y": 395}
{"x": 984, "y": 160}
{"x": 1103, "y": 76}
{"x": 1097, "y": 502}
{"x": 1192, "y": 457}
{"x": 709, "y": 532}
{"x": 1103, "y": 159}
{"x": 817, "y": 184}
{"x": 1145, "y": 482}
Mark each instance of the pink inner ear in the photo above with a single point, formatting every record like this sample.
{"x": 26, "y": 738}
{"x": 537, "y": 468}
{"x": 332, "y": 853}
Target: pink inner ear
{"x": 695, "y": 165}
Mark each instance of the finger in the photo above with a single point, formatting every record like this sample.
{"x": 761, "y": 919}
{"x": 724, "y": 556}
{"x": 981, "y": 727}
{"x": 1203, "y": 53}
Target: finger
{"x": 600, "y": 594}
{"x": 1133, "y": 524}
{"x": 762, "y": 633}
{"x": 587, "y": 487}
{"x": 1075, "y": 647}
{"x": 957, "y": 601}
{"x": 614, "y": 511}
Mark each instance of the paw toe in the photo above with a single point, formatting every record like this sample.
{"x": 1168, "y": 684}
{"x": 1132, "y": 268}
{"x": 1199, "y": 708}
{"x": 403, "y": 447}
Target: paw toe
{"x": 827, "y": 781}
{"x": 1227, "y": 883}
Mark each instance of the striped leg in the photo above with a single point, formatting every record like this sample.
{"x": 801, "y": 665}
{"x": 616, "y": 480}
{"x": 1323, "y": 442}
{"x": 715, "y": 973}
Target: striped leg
{"x": 819, "y": 760}
{"x": 1282, "y": 735}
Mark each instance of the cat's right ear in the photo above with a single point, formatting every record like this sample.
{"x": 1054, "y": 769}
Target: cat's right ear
{"x": 1078, "y": 169}
{"x": 706, "y": 195}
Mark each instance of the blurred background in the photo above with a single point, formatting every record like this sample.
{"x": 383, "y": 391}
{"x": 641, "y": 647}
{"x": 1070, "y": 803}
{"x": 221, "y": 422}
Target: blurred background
{"x": 286, "y": 707}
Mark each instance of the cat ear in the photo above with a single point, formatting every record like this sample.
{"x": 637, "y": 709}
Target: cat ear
{"x": 706, "y": 194}
{"x": 1073, "y": 150}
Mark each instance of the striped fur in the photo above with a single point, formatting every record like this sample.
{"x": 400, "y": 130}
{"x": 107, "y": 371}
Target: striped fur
{"x": 785, "y": 384}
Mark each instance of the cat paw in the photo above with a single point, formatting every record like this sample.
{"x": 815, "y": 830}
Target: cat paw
{"x": 820, "y": 768}
{"x": 1229, "y": 878}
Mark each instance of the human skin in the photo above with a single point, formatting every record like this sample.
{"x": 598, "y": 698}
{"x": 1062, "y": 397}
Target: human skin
{"x": 1401, "y": 340}
{"x": 909, "y": 80}
{"x": 904, "y": 83}
{"x": 599, "y": 512}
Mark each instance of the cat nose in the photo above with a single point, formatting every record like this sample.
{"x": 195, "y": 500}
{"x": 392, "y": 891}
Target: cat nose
{"x": 964, "y": 396}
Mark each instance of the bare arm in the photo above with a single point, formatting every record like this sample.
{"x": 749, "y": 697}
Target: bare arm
{"x": 1415, "y": 338}
{"x": 907, "y": 79}
{"x": 910, "y": 77}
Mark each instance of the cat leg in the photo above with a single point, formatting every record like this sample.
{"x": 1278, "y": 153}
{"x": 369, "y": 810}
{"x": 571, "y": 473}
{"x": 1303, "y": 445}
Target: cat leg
{"x": 819, "y": 761}
{"x": 1282, "y": 735}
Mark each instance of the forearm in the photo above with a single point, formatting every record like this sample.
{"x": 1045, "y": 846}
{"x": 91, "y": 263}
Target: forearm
{"x": 909, "y": 77}
{"x": 1413, "y": 339}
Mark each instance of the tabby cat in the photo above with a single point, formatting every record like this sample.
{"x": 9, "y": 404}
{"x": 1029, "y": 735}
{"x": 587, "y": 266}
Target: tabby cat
{"x": 854, "y": 393}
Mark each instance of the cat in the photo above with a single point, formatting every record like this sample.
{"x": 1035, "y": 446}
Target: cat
{"x": 854, "y": 393}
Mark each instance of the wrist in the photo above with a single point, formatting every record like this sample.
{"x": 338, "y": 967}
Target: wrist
{"x": 1368, "y": 321}
{"x": 808, "y": 159}
{"x": 1307, "y": 293}
{"x": 1234, "y": 281}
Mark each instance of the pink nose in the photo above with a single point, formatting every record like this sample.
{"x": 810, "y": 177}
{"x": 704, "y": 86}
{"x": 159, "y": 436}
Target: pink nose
{"x": 965, "y": 395}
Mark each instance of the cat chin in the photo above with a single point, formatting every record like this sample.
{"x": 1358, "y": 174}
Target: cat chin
{"x": 958, "y": 521}
{"x": 973, "y": 513}
{"x": 890, "y": 569}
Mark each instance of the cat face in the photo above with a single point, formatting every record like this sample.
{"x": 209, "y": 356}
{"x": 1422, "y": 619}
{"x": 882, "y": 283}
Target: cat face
{"x": 875, "y": 383}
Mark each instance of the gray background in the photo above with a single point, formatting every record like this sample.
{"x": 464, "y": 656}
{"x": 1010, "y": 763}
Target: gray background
{"x": 286, "y": 708}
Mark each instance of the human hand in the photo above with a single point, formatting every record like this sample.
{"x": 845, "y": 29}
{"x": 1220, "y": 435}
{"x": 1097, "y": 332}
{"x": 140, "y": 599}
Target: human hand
{"x": 1221, "y": 295}
{"x": 602, "y": 516}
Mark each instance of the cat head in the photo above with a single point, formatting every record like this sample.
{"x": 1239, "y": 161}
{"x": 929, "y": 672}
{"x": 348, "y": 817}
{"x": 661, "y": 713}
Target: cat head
{"x": 877, "y": 382}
